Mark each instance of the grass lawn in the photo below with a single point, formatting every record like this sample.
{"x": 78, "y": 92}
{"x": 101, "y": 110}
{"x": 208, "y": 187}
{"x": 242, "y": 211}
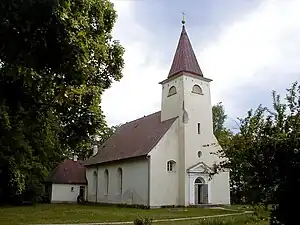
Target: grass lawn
{"x": 73, "y": 213}
{"x": 234, "y": 220}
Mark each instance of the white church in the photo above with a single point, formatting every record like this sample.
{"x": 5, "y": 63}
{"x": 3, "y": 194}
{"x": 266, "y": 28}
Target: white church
{"x": 164, "y": 159}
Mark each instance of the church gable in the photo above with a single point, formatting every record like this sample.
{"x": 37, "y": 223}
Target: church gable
{"x": 200, "y": 167}
{"x": 132, "y": 139}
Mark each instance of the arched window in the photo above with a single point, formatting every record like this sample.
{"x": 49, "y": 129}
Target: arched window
{"x": 197, "y": 90}
{"x": 171, "y": 166}
{"x": 106, "y": 182}
{"x": 120, "y": 180}
{"x": 199, "y": 180}
{"x": 95, "y": 178}
{"x": 172, "y": 91}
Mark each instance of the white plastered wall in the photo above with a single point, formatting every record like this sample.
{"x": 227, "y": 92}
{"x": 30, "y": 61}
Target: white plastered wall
{"x": 65, "y": 192}
{"x": 163, "y": 183}
{"x": 192, "y": 109}
{"x": 134, "y": 182}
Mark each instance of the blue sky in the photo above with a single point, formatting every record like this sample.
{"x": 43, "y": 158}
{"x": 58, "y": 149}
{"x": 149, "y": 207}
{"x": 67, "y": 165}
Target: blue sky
{"x": 248, "y": 48}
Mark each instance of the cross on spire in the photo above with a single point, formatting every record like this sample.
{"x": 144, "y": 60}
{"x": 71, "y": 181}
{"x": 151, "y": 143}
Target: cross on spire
{"x": 183, "y": 18}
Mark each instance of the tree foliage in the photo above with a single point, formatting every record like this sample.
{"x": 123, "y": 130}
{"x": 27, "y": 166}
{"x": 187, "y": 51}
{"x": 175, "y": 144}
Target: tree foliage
{"x": 56, "y": 59}
{"x": 222, "y": 133}
{"x": 84, "y": 151}
{"x": 107, "y": 133}
{"x": 264, "y": 156}
{"x": 219, "y": 118}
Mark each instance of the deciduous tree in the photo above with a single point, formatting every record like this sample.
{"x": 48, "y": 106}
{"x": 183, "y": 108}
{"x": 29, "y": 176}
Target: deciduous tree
{"x": 265, "y": 155}
{"x": 56, "y": 59}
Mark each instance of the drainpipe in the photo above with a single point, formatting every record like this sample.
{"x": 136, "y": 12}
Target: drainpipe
{"x": 97, "y": 183}
{"x": 95, "y": 151}
{"x": 148, "y": 157}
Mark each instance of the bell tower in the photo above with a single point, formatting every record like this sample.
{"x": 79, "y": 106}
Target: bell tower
{"x": 186, "y": 95}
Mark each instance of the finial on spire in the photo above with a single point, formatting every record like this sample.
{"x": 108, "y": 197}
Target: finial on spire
{"x": 183, "y": 18}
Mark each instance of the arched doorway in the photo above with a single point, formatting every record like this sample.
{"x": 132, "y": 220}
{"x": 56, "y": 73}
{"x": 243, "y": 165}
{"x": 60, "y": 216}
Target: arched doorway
{"x": 201, "y": 192}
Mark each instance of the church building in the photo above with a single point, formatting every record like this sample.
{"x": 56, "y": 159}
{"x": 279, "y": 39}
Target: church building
{"x": 164, "y": 159}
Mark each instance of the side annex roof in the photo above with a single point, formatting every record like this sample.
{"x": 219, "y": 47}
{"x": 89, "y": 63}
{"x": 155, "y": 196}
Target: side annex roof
{"x": 68, "y": 172}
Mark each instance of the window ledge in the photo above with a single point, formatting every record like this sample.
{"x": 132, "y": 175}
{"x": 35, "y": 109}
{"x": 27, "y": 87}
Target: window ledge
{"x": 197, "y": 93}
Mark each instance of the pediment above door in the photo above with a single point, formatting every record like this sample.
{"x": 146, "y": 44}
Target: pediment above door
{"x": 200, "y": 167}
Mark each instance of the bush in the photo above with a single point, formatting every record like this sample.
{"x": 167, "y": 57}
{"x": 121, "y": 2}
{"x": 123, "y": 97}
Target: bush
{"x": 143, "y": 221}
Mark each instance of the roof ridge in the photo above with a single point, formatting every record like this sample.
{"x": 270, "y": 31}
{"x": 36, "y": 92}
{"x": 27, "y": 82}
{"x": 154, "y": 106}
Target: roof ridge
{"x": 143, "y": 117}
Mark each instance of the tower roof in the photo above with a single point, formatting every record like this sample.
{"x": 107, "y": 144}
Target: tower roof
{"x": 184, "y": 58}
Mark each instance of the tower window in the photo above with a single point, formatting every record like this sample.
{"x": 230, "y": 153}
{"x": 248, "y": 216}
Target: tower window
{"x": 172, "y": 91}
{"x": 199, "y": 154}
{"x": 199, "y": 128}
{"x": 171, "y": 165}
{"x": 197, "y": 90}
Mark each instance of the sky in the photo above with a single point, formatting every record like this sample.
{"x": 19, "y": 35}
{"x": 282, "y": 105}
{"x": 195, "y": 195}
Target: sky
{"x": 247, "y": 47}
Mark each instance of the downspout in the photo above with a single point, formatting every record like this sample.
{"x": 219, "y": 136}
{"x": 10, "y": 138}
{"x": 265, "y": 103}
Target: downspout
{"x": 95, "y": 151}
{"x": 97, "y": 184}
{"x": 149, "y": 173}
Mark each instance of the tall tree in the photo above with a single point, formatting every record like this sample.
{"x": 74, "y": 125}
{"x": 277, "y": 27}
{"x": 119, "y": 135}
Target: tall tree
{"x": 219, "y": 118}
{"x": 85, "y": 149}
{"x": 266, "y": 156}
{"x": 56, "y": 59}
{"x": 222, "y": 133}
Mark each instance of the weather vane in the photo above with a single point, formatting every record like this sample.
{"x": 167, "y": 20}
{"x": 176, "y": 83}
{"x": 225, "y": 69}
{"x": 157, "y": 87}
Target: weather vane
{"x": 183, "y": 18}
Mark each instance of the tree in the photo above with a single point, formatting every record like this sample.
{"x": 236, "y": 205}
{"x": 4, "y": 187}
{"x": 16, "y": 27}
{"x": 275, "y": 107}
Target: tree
{"x": 102, "y": 135}
{"x": 219, "y": 118}
{"x": 265, "y": 155}
{"x": 56, "y": 59}
{"x": 222, "y": 133}
{"x": 107, "y": 133}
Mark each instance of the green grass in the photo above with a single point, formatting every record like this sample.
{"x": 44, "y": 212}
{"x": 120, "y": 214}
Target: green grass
{"x": 73, "y": 213}
{"x": 234, "y": 220}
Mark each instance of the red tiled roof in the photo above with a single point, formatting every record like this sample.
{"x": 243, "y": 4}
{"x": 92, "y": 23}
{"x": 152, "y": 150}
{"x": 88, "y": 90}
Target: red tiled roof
{"x": 68, "y": 172}
{"x": 133, "y": 139}
{"x": 184, "y": 58}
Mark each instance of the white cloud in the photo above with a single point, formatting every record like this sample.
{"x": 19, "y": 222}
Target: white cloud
{"x": 138, "y": 92}
{"x": 258, "y": 50}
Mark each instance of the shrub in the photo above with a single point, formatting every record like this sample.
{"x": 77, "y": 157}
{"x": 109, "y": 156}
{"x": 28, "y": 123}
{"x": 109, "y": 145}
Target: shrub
{"x": 142, "y": 221}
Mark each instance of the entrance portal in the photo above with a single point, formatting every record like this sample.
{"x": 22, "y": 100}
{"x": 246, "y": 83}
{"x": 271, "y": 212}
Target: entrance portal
{"x": 201, "y": 191}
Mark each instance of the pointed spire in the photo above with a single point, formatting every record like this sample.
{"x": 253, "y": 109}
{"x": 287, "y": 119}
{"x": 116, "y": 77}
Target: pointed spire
{"x": 184, "y": 58}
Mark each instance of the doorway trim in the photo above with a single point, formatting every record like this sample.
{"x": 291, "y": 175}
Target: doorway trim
{"x": 201, "y": 172}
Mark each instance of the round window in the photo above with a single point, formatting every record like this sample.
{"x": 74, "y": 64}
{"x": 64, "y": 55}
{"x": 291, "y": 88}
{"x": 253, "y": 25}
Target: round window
{"x": 199, "y": 154}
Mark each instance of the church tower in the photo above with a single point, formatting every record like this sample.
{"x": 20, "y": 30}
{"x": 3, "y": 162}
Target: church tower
{"x": 186, "y": 95}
